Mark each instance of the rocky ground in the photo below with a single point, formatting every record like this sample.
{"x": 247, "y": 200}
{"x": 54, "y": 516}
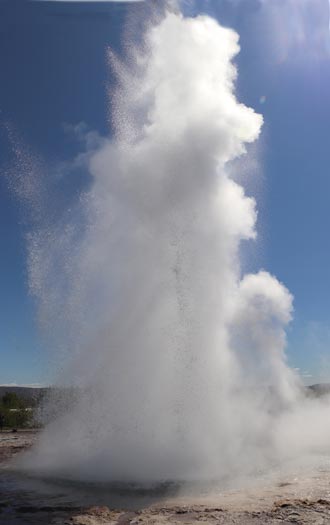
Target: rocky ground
{"x": 13, "y": 442}
{"x": 290, "y": 497}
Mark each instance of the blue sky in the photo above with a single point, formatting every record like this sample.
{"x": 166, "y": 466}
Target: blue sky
{"x": 54, "y": 72}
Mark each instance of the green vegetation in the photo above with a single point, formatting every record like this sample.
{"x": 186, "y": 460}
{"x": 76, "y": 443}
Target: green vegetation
{"x": 15, "y": 412}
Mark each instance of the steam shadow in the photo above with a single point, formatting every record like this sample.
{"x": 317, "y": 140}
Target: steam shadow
{"x": 38, "y": 489}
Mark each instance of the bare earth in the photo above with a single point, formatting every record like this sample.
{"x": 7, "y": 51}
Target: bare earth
{"x": 294, "y": 496}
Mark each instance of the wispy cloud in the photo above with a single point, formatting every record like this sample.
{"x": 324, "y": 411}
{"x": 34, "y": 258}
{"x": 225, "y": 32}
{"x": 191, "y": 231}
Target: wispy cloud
{"x": 31, "y": 385}
{"x": 287, "y": 30}
{"x": 94, "y": 1}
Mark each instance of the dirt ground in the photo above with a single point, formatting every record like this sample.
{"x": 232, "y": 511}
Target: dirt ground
{"x": 288, "y": 497}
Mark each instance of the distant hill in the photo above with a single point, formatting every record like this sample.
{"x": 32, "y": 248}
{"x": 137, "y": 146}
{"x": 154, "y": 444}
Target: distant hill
{"x": 25, "y": 392}
{"x": 35, "y": 394}
{"x": 320, "y": 389}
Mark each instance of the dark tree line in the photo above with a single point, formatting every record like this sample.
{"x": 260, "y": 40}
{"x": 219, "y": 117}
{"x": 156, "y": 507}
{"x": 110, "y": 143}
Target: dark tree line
{"x": 15, "y": 412}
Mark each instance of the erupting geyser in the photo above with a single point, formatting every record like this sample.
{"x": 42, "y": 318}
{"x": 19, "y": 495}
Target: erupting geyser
{"x": 179, "y": 358}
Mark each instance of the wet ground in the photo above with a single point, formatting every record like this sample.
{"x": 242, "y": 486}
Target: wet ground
{"x": 291, "y": 495}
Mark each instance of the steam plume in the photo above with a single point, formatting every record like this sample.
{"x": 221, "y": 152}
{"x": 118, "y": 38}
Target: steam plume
{"x": 180, "y": 359}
